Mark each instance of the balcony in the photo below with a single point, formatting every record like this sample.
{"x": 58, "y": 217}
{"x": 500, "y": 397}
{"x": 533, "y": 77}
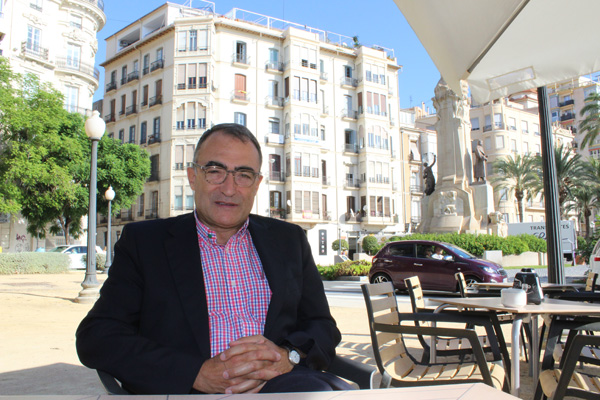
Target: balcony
{"x": 157, "y": 65}
{"x": 323, "y": 76}
{"x": 132, "y": 109}
{"x": 272, "y": 101}
{"x": 152, "y": 213}
{"x": 145, "y": 70}
{"x": 241, "y": 59}
{"x": 326, "y": 215}
{"x": 135, "y": 75}
{"x": 350, "y": 114}
{"x": 351, "y": 148}
{"x": 274, "y": 66}
{"x": 34, "y": 51}
{"x": 352, "y": 183}
{"x": 155, "y": 100}
{"x": 567, "y": 117}
{"x": 487, "y": 128}
{"x": 274, "y": 138}
{"x": 276, "y": 176}
{"x": 349, "y": 82}
{"x": 109, "y": 118}
{"x": 278, "y": 213}
{"x": 111, "y": 86}
{"x": 379, "y": 179}
{"x": 240, "y": 96}
{"x": 154, "y": 138}
{"x": 566, "y": 103}
{"x": 325, "y": 110}
{"x": 326, "y": 181}
{"x": 73, "y": 64}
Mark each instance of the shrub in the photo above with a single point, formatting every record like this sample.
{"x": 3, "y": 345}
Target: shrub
{"x": 33, "y": 263}
{"x": 100, "y": 260}
{"x": 336, "y": 245}
{"x": 535, "y": 243}
{"x": 346, "y": 268}
{"x": 370, "y": 244}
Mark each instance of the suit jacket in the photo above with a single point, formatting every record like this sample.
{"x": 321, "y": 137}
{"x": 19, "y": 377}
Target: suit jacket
{"x": 150, "y": 326}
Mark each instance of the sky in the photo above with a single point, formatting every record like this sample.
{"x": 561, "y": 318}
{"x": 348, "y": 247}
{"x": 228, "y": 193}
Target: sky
{"x": 374, "y": 22}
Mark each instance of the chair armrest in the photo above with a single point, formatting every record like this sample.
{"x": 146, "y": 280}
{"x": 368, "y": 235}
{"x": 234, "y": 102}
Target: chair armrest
{"x": 110, "y": 383}
{"x": 352, "y": 370}
{"x": 572, "y": 358}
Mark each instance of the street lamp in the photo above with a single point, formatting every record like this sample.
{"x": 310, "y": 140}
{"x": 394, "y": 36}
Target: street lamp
{"x": 94, "y": 129}
{"x": 108, "y": 195}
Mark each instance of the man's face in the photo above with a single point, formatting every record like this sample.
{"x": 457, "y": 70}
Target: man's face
{"x": 224, "y": 207}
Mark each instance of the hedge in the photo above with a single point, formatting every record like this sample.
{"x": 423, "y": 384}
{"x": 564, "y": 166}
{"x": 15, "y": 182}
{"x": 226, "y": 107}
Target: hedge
{"x": 33, "y": 263}
{"x": 346, "y": 268}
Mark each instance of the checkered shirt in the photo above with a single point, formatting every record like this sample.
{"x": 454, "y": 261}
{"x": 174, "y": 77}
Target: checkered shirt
{"x": 237, "y": 290}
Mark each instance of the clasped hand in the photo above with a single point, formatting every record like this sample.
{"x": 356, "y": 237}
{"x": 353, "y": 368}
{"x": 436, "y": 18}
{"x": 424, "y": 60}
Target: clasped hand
{"x": 244, "y": 367}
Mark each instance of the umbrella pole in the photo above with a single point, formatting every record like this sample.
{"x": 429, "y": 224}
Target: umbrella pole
{"x": 556, "y": 268}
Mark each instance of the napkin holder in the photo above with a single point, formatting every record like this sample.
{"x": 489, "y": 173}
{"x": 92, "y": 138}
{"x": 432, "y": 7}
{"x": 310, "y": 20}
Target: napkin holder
{"x": 513, "y": 297}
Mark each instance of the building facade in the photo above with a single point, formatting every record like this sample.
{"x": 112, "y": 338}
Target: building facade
{"x": 54, "y": 40}
{"x": 324, "y": 108}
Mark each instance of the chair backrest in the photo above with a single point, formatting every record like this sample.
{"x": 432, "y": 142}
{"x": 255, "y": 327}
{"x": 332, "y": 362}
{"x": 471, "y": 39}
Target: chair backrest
{"x": 111, "y": 384}
{"x": 590, "y": 282}
{"x": 384, "y": 310}
{"x": 415, "y": 291}
{"x": 462, "y": 284}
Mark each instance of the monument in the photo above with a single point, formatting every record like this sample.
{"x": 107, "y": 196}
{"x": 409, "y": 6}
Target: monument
{"x": 461, "y": 200}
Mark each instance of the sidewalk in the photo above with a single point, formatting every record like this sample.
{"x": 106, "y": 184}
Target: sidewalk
{"x": 37, "y": 336}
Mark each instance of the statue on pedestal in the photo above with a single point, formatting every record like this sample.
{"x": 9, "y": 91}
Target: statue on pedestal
{"x": 428, "y": 177}
{"x": 480, "y": 160}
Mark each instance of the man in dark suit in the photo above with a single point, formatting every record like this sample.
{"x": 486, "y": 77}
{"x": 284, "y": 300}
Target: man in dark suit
{"x": 216, "y": 301}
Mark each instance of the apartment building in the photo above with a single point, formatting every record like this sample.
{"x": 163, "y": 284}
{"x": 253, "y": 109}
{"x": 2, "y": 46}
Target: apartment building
{"x": 324, "y": 108}
{"x": 56, "y": 41}
{"x": 511, "y": 126}
{"x": 566, "y": 99}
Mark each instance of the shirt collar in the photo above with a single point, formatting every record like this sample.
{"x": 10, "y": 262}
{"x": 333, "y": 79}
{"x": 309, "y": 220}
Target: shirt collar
{"x": 210, "y": 236}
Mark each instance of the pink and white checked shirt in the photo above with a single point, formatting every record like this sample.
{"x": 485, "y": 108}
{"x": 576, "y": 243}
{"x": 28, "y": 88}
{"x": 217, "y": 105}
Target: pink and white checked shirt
{"x": 237, "y": 291}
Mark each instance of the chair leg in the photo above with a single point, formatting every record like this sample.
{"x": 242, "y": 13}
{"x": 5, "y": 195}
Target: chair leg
{"x": 386, "y": 380}
{"x": 523, "y": 335}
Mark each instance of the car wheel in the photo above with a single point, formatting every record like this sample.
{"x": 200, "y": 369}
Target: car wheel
{"x": 380, "y": 278}
{"x": 469, "y": 280}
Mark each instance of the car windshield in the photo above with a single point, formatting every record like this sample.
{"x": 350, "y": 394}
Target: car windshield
{"x": 57, "y": 249}
{"x": 460, "y": 252}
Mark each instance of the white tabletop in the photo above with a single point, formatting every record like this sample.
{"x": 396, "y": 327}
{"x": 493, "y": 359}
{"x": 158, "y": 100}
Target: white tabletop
{"x": 548, "y": 306}
{"x": 438, "y": 392}
{"x": 545, "y": 285}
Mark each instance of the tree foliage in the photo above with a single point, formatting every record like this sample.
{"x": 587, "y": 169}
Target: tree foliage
{"x": 335, "y": 246}
{"x": 590, "y": 124}
{"x": 516, "y": 174}
{"x": 45, "y": 159}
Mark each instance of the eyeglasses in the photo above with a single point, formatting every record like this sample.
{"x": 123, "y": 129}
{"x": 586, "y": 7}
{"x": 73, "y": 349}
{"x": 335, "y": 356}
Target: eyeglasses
{"x": 216, "y": 175}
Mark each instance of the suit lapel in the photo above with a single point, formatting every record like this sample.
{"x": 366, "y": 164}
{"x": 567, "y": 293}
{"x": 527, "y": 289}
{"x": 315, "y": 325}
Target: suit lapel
{"x": 273, "y": 262}
{"x": 183, "y": 254}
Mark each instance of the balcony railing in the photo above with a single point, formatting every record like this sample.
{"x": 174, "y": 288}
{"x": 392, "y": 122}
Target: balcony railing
{"x": 352, "y": 114}
{"x": 154, "y": 139}
{"x": 240, "y": 95}
{"x": 566, "y": 103}
{"x": 155, "y": 100}
{"x": 109, "y": 118}
{"x": 157, "y": 64}
{"x": 275, "y": 176}
{"x": 111, "y": 86}
{"x": 241, "y": 58}
{"x": 278, "y": 213}
{"x": 351, "y": 148}
{"x": 567, "y": 116}
{"x": 274, "y": 66}
{"x": 349, "y": 82}
{"x": 132, "y": 109}
{"x": 29, "y": 49}
{"x": 135, "y": 75}
{"x": 274, "y": 101}
{"x": 324, "y": 76}
{"x": 352, "y": 182}
{"x": 76, "y": 65}
{"x": 151, "y": 213}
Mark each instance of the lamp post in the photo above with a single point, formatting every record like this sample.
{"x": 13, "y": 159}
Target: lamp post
{"x": 108, "y": 195}
{"x": 94, "y": 129}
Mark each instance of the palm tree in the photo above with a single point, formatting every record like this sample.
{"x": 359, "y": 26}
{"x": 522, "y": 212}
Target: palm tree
{"x": 590, "y": 124}
{"x": 518, "y": 175}
{"x": 584, "y": 200}
{"x": 569, "y": 174}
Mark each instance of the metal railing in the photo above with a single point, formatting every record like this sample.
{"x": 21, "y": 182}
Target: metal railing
{"x": 29, "y": 49}
{"x": 157, "y": 64}
{"x": 76, "y": 65}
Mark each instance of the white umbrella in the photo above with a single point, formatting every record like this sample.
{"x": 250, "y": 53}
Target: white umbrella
{"x": 502, "y": 47}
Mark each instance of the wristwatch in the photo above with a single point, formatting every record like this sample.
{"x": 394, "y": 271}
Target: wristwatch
{"x": 293, "y": 355}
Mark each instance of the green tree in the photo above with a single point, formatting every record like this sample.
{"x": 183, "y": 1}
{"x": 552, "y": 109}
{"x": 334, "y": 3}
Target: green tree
{"x": 569, "y": 173}
{"x": 590, "y": 124}
{"x": 369, "y": 244}
{"x": 45, "y": 159}
{"x": 517, "y": 175}
{"x": 583, "y": 200}
{"x": 335, "y": 246}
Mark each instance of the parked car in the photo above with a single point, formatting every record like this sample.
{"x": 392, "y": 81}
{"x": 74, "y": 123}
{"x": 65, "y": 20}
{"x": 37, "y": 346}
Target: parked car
{"x": 76, "y": 254}
{"x": 435, "y": 263}
{"x": 595, "y": 258}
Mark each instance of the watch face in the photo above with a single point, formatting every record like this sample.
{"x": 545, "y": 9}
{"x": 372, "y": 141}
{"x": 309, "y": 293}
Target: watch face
{"x": 294, "y": 357}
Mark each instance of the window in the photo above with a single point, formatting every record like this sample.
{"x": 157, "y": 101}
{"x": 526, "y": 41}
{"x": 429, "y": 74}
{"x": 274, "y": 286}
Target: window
{"x": 512, "y": 124}
{"x": 141, "y": 205}
{"x": 145, "y": 95}
{"x": 159, "y": 54}
{"x": 525, "y": 148}
{"x": 347, "y": 71}
{"x": 499, "y": 142}
{"x": 36, "y": 4}
{"x": 132, "y": 134}
{"x": 189, "y": 199}
{"x": 274, "y": 126}
{"x": 34, "y": 39}
{"x": 239, "y": 118}
{"x": 503, "y": 194}
{"x": 536, "y": 129}
{"x": 487, "y": 143}
{"x": 498, "y": 121}
{"x": 121, "y": 135}
{"x": 274, "y": 59}
{"x": 240, "y": 52}
{"x": 202, "y": 76}
{"x": 178, "y": 198}
{"x": 156, "y": 127}
{"x": 153, "y": 168}
{"x": 513, "y": 146}
{"x": 240, "y": 87}
{"x": 474, "y": 124}
{"x": 193, "y": 40}
{"x": 524, "y": 127}
{"x": 146, "y": 64}
{"x": 72, "y": 98}
{"x": 75, "y": 21}
{"x": 143, "y": 132}
{"x": 203, "y": 40}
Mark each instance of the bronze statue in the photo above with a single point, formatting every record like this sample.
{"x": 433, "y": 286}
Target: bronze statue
{"x": 428, "y": 177}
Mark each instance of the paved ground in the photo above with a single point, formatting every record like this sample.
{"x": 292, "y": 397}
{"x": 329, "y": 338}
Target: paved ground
{"x": 37, "y": 336}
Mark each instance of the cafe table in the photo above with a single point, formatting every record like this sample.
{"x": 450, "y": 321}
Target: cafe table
{"x": 547, "y": 307}
{"x": 435, "y": 392}
{"x": 558, "y": 287}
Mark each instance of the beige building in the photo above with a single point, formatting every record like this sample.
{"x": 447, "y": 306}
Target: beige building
{"x": 324, "y": 108}
{"x": 511, "y": 126}
{"x": 56, "y": 41}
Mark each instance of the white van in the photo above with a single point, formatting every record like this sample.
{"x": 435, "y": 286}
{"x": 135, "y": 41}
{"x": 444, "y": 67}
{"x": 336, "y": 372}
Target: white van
{"x": 595, "y": 258}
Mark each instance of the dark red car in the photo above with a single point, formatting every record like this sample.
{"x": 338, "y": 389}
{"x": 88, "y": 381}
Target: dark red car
{"x": 435, "y": 263}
